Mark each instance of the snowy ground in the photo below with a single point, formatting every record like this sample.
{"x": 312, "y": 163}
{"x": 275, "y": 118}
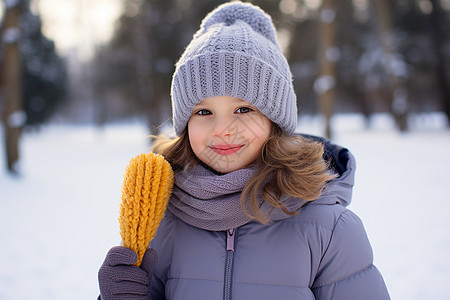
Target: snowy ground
{"x": 59, "y": 218}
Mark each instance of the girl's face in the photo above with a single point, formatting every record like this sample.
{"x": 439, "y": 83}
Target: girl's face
{"x": 227, "y": 133}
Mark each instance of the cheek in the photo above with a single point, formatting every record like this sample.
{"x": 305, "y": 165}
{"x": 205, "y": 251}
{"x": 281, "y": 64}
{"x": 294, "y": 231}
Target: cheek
{"x": 261, "y": 128}
{"x": 195, "y": 137}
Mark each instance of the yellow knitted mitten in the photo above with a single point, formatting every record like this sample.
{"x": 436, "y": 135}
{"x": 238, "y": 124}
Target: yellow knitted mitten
{"x": 146, "y": 189}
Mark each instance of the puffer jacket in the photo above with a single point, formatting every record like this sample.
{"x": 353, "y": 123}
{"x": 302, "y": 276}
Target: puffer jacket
{"x": 321, "y": 253}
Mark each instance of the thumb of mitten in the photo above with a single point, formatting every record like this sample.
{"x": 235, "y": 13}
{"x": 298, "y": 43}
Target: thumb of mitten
{"x": 149, "y": 261}
{"x": 119, "y": 255}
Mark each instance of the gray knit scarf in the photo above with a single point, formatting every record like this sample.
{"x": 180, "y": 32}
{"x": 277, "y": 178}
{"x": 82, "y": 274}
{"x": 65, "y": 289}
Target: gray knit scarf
{"x": 210, "y": 201}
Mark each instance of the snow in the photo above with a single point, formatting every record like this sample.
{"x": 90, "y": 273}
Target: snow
{"x": 59, "y": 217}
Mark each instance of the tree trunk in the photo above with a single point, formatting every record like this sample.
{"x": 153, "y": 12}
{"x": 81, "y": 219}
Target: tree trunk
{"x": 398, "y": 96}
{"x": 325, "y": 83}
{"x": 440, "y": 25}
{"x": 13, "y": 116}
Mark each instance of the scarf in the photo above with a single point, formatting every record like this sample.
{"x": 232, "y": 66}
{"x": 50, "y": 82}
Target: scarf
{"x": 210, "y": 201}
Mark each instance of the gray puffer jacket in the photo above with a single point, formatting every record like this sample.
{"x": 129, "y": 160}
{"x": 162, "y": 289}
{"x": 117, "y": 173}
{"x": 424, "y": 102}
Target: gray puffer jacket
{"x": 321, "y": 253}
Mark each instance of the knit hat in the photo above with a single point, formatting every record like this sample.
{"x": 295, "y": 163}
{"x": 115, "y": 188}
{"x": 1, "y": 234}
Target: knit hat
{"x": 235, "y": 53}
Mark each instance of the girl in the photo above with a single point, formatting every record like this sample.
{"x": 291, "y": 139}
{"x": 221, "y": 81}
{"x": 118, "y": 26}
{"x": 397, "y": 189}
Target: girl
{"x": 256, "y": 211}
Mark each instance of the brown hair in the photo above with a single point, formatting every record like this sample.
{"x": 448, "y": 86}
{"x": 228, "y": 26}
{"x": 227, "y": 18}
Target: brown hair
{"x": 293, "y": 164}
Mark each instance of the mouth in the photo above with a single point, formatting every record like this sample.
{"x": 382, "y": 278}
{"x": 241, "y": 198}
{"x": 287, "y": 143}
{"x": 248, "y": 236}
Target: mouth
{"x": 226, "y": 149}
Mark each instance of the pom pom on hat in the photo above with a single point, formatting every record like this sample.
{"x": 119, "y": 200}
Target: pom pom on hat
{"x": 235, "y": 53}
{"x": 250, "y": 14}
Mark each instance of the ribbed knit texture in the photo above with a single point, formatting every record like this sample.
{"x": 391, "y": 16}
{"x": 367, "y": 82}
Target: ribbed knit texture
{"x": 210, "y": 201}
{"x": 146, "y": 190}
{"x": 235, "y": 53}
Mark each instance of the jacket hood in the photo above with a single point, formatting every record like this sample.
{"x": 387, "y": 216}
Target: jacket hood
{"x": 342, "y": 162}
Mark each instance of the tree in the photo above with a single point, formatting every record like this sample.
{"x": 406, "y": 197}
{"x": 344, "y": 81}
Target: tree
{"x": 440, "y": 27}
{"x": 399, "y": 95}
{"x": 33, "y": 76}
{"x": 44, "y": 74}
{"x": 328, "y": 54}
{"x": 13, "y": 116}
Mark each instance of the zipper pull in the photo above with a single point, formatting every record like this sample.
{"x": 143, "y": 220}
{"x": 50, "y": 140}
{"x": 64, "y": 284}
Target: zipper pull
{"x": 230, "y": 239}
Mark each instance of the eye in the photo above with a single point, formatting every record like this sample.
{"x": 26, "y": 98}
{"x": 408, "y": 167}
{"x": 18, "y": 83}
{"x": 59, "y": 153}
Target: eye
{"x": 203, "y": 112}
{"x": 244, "y": 110}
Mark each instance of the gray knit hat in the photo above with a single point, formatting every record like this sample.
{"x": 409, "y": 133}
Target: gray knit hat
{"x": 235, "y": 53}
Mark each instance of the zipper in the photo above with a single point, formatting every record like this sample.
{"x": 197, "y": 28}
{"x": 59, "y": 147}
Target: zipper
{"x": 231, "y": 239}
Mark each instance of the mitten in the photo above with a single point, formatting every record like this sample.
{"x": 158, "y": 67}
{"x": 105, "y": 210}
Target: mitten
{"x": 120, "y": 279}
{"x": 146, "y": 189}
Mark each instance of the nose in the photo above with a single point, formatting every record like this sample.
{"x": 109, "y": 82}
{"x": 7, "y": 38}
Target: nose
{"x": 223, "y": 126}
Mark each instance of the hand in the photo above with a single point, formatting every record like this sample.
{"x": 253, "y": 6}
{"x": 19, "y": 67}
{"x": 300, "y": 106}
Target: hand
{"x": 119, "y": 278}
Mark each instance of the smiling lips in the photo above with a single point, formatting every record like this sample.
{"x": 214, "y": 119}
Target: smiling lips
{"x": 226, "y": 149}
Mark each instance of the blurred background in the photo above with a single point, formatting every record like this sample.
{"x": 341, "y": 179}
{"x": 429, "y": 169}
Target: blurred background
{"x": 83, "y": 83}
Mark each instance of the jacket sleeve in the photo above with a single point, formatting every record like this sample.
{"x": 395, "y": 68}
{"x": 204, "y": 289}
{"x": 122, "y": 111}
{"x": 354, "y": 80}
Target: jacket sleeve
{"x": 346, "y": 270}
